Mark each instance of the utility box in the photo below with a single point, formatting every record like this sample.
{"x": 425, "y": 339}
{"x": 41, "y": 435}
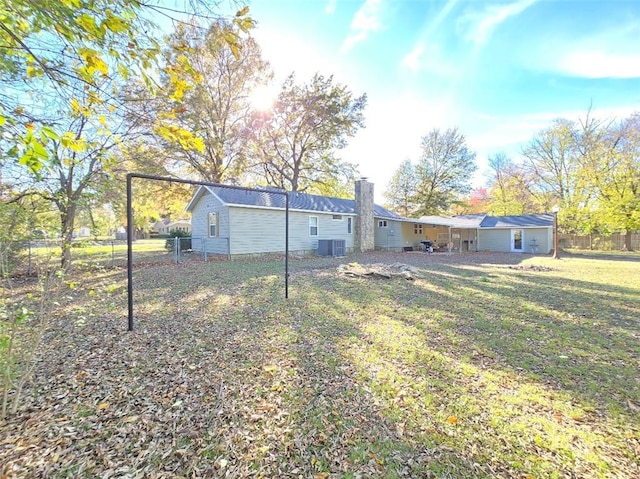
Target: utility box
{"x": 333, "y": 247}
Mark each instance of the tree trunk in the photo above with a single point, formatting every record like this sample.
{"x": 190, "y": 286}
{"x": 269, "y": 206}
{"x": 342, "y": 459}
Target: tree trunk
{"x": 627, "y": 241}
{"x": 67, "y": 220}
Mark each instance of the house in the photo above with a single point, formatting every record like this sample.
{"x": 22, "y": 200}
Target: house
{"x": 233, "y": 222}
{"x": 82, "y": 232}
{"x": 165, "y": 226}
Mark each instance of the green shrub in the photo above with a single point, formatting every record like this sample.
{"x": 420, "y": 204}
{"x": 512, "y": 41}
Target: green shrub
{"x": 185, "y": 244}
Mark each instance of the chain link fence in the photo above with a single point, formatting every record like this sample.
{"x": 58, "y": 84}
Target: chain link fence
{"x": 23, "y": 258}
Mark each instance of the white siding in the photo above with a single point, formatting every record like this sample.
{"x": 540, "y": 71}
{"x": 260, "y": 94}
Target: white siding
{"x": 200, "y": 225}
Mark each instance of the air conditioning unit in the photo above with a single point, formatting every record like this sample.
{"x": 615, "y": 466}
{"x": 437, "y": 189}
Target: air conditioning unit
{"x": 333, "y": 247}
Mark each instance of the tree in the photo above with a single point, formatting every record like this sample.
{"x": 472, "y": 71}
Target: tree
{"x": 202, "y": 125}
{"x": 611, "y": 169}
{"x": 401, "y": 191}
{"x": 74, "y": 54}
{"x": 510, "y": 188}
{"x": 78, "y": 160}
{"x": 444, "y": 170}
{"x": 76, "y": 43}
{"x": 295, "y": 144}
{"x": 478, "y": 201}
{"x": 554, "y": 161}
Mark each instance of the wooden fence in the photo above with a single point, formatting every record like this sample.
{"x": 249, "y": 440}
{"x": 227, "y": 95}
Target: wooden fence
{"x": 613, "y": 242}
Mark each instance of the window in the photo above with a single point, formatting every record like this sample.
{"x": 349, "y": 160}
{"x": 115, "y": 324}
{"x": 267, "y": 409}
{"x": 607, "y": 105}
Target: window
{"x": 349, "y": 225}
{"x": 313, "y": 226}
{"x": 337, "y": 217}
{"x": 382, "y": 223}
{"x": 213, "y": 224}
{"x": 417, "y": 229}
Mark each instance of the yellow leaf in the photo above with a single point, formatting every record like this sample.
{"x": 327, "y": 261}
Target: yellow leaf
{"x": 101, "y": 406}
{"x": 115, "y": 24}
{"x": 130, "y": 419}
{"x": 452, "y": 419}
{"x": 88, "y": 24}
{"x": 75, "y": 106}
{"x": 270, "y": 369}
{"x": 321, "y": 475}
{"x": 243, "y": 12}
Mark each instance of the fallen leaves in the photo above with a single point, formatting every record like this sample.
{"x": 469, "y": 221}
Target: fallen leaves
{"x": 224, "y": 378}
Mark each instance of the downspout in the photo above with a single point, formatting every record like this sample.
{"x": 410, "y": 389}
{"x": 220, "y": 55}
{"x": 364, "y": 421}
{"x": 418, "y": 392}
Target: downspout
{"x": 229, "y": 232}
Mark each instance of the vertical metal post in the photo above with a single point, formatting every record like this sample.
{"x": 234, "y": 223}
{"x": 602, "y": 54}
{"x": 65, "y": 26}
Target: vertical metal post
{"x": 556, "y": 253}
{"x": 113, "y": 254}
{"x": 130, "y": 251}
{"x": 286, "y": 245}
{"x": 176, "y": 248}
{"x": 29, "y": 268}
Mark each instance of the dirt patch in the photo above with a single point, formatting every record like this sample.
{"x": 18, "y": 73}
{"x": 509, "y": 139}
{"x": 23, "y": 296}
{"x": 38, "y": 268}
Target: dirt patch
{"x": 531, "y": 267}
{"x": 379, "y": 270}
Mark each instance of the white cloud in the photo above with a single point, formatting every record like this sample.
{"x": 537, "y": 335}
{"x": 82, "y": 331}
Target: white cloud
{"x": 367, "y": 19}
{"x": 595, "y": 52}
{"x": 431, "y": 58}
{"x": 330, "y": 8}
{"x": 602, "y": 65}
{"x": 599, "y": 64}
{"x": 480, "y": 25}
{"x": 431, "y": 52}
{"x": 412, "y": 59}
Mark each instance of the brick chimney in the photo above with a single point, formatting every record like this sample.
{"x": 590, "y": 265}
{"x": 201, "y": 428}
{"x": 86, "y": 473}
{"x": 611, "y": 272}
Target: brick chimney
{"x": 364, "y": 232}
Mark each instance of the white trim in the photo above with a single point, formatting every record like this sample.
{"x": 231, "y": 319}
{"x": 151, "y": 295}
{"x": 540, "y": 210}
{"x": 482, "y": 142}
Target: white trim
{"x": 317, "y": 226}
{"x": 196, "y": 197}
{"x": 512, "y": 240}
{"x": 217, "y": 223}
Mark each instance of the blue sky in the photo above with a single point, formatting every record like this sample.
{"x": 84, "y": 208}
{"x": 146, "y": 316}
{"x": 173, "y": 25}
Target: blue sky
{"x": 498, "y": 70}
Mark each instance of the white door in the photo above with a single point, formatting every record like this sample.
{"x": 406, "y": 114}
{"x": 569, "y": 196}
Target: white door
{"x": 516, "y": 241}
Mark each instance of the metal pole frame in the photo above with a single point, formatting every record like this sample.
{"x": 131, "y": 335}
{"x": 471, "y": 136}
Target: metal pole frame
{"x": 556, "y": 241}
{"x": 167, "y": 179}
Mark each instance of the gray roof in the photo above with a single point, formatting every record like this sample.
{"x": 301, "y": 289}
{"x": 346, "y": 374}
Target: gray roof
{"x": 485, "y": 221}
{"x": 461, "y": 221}
{"x": 268, "y": 198}
{"x": 518, "y": 221}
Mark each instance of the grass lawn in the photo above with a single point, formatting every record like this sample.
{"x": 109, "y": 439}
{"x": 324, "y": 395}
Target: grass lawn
{"x": 90, "y": 254}
{"x": 486, "y": 365}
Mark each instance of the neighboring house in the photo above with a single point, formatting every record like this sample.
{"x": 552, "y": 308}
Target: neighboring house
{"x": 234, "y": 222}
{"x": 161, "y": 226}
{"x": 83, "y": 232}
{"x": 165, "y": 226}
